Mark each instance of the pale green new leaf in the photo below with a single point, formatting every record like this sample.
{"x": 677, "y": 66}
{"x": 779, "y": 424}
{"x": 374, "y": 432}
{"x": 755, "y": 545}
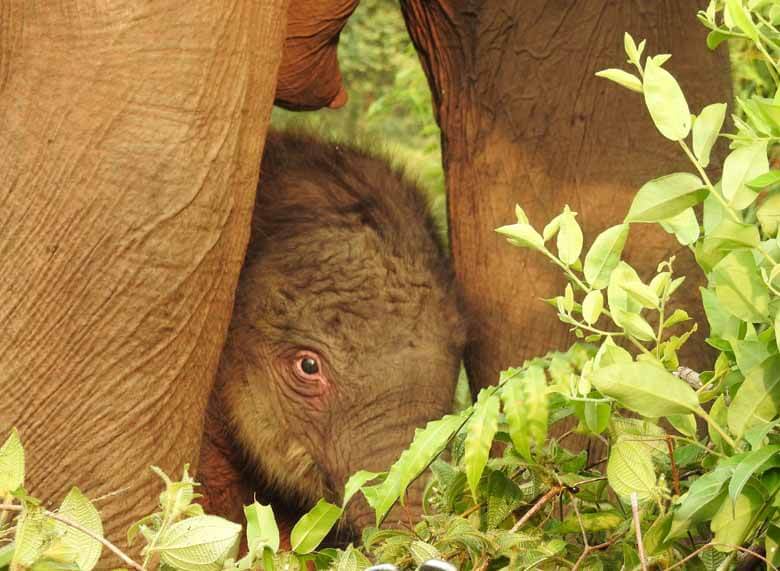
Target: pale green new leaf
{"x": 617, "y": 296}
{"x": 740, "y": 167}
{"x": 741, "y": 18}
{"x": 520, "y": 214}
{"x": 604, "y": 255}
{"x": 522, "y": 235}
{"x": 706, "y": 129}
{"x": 644, "y": 295}
{"x": 684, "y": 226}
{"x": 592, "y": 306}
{"x": 627, "y": 80}
{"x": 768, "y": 214}
{"x": 33, "y": 531}
{"x": 569, "y": 240}
{"x": 313, "y": 526}
{"x": 261, "y": 528}
{"x": 11, "y": 464}
{"x": 77, "y": 508}
{"x": 646, "y": 388}
{"x": 480, "y": 431}
{"x": 666, "y": 197}
{"x": 630, "y": 470}
{"x": 758, "y": 399}
{"x": 611, "y": 354}
{"x": 425, "y": 447}
{"x": 200, "y": 543}
{"x": 633, "y": 324}
{"x": 666, "y": 102}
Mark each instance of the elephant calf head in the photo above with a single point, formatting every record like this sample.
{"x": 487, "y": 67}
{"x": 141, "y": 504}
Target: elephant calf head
{"x": 345, "y": 337}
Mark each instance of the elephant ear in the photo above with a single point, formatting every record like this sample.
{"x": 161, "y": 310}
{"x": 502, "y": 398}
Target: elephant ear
{"x": 309, "y": 76}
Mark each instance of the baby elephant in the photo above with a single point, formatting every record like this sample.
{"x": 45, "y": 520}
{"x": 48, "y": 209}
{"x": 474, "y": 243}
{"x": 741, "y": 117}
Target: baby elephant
{"x": 346, "y": 334}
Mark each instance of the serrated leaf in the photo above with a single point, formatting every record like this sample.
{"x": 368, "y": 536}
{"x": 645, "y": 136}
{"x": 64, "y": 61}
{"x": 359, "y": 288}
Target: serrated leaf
{"x": 754, "y": 463}
{"x": 627, "y": 80}
{"x": 426, "y": 445}
{"x": 666, "y": 197}
{"x": 666, "y": 102}
{"x": 11, "y": 464}
{"x": 422, "y": 552}
{"x": 604, "y": 255}
{"x": 503, "y": 497}
{"x": 200, "y": 543}
{"x": 630, "y": 470}
{"x": 355, "y": 482}
{"x": 706, "y": 129}
{"x": 740, "y": 167}
{"x": 646, "y": 388}
{"x": 33, "y": 531}
{"x": 313, "y": 526}
{"x": 261, "y": 529}
{"x": 77, "y": 508}
{"x": 480, "y": 431}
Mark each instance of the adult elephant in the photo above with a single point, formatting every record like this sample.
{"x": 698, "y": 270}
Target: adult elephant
{"x": 524, "y": 119}
{"x": 130, "y": 144}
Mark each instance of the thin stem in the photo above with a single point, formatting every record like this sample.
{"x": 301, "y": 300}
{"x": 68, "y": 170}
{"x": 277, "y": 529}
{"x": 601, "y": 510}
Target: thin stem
{"x": 726, "y": 206}
{"x": 712, "y": 545}
{"x": 577, "y": 281}
{"x": 551, "y": 493}
{"x": 75, "y": 525}
{"x": 703, "y": 414}
{"x": 638, "y": 531}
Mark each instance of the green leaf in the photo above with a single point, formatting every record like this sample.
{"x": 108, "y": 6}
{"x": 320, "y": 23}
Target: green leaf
{"x": 666, "y": 102}
{"x": 617, "y": 296}
{"x": 630, "y": 470}
{"x": 646, "y": 388}
{"x": 606, "y": 520}
{"x": 426, "y": 445}
{"x": 525, "y": 406}
{"x": 77, "y": 508}
{"x": 732, "y": 524}
{"x": 758, "y": 399}
{"x": 754, "y": 463}
{"x": 719, "y": 416}
{"x": 480, "y": 431}
{"x": 706, "y": 129}
{"x": 665, "y": 197}
{"x": 739, "y": 288}
{"x": 261, "y": 528}
{"x": 642, "y": 294}
{"x": 741, "y": 18}
{"x": 422, "y": 552}
{"x": 684, "y": 226}
{"x": 701, "y": 502}
{"x": 503, "y": 497}
{"x": 569, "y": 241}
{"x": 355, "y": 482}
{"x": 627, "y": 80}
{"x": 722, "y": 323}
{"x": 604, "y": 255}
{"x": 740, "y": 167}
{"x": 313, "y": 526}
{"x": 520, "y": 215}
{"x": 770, "y": 178}
{"x": 715, "y": 38}
{"x": 633, "y": 324}
{"x": 768, "y": 214}
{"x": 596, "y": 416}
{"x": 685, "y": 424}
{"x": 592, "y": 306}
{"x": 200, "y": 543}
{"x": 677, "y": 317}
{"x": 33, "y": 531}
{"x": 611, "y": 354}
{"x": 522, "y": 235}
{"x": 655, "y": 537}
{"x": 11, "y": 464}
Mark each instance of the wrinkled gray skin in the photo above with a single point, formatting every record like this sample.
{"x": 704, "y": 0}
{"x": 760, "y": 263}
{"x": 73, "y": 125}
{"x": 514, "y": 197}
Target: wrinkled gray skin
{"x": 344, "y": 268}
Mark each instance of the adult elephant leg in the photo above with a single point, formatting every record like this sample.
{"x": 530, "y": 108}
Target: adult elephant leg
{"x": 130, "y": 143}
{"x": 524, "y": 120}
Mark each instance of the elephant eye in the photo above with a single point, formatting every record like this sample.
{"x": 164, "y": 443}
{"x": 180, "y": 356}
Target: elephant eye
{"x": 307, "y": 366}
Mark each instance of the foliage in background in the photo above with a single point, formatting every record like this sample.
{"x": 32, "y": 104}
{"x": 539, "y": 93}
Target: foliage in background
{"x": 389, "y": 98}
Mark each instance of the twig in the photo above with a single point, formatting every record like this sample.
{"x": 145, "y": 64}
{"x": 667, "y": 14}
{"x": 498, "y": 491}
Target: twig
{"x": 77, "y": 526}
{"x": 710, "y": 545}
{"x": 551, "y": 493}
{"x": 588, "y": 550}
{"x": 675, "y": 471}
{"x": 638, "y": 529}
